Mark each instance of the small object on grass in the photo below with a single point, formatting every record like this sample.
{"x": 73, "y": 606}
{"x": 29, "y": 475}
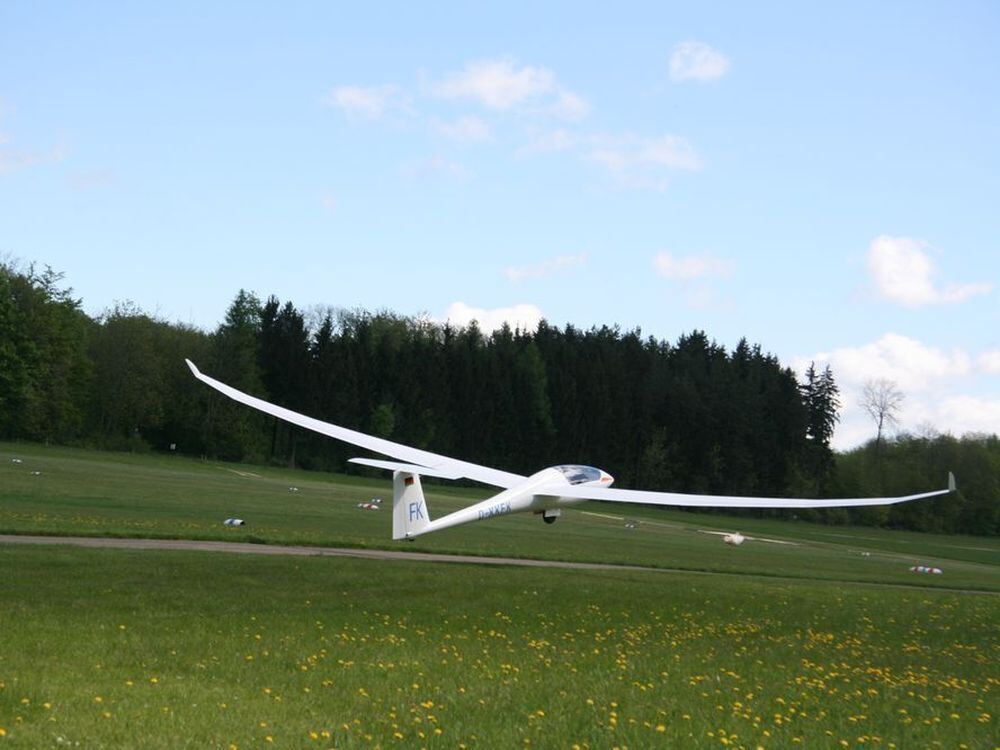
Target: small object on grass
{"x": 293, "y": 489}
{"x": 36, "y": 473}
{"x": 734, "y": 540}
{"x": 926, "y": 569}
{"x": 16, "y": 461}
{"x": 866, "y": 554}
{"x": 234, "y": 522}
{"x": 372, "y": 504}
{"x": 630, "y": 524}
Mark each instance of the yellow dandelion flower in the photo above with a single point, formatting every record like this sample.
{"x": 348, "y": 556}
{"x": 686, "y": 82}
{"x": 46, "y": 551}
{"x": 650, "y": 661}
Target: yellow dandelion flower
{"x": 661, "y": 728}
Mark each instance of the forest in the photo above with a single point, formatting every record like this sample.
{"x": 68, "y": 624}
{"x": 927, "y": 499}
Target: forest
{"x": 683, "y": 416}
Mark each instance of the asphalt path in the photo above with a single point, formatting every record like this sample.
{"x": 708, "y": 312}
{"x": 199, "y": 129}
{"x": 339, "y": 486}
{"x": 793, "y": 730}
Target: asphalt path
{"x": 284, "y": 549}
{"x": 245, "y": 548}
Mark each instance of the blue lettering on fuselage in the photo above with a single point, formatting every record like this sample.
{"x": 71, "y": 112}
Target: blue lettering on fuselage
{"x": 416, "y": 510}
{"x": 495, "y": 510}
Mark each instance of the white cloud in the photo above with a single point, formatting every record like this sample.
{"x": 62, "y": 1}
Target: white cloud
{"x": 370, "y": 102}
{"x": 570, "y": 106}
{"x": 519, "y": 273}
{"x": 504, "y": 85}
{"x": 13, "y": 157}
{"x": 468, "y": 128}
{"x": 691, "y": 267}
{"x": 903, "y": 273}
{"x": 92, "y": 180}
{"x": 927, "y": 376}
{"x": 523, "y": 316}
{"x": 639, "y": 162}
{"x": 912, "y": 365}
{"x": 961, "y": 414}
{"x": 436, "y": 165}
{"x": 694, "y": 274}
{"x": 498, "y": 84}
{"x": 530, "y": 98}
{"x": 696, "y": 61}
{"x": 989, "y": 362}
{"x": 669, "y": 151}
{"x": 550, "y": 141}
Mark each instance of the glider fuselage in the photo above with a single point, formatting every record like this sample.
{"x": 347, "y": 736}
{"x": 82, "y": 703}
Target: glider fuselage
{"x": 525, "y": 496}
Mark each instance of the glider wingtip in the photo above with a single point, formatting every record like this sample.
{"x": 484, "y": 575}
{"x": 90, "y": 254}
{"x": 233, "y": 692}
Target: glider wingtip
{"x": 194, "y": 369}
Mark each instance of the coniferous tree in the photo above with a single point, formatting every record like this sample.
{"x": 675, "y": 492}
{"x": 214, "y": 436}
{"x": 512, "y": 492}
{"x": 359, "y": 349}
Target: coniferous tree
{"x": 230, "y": 431}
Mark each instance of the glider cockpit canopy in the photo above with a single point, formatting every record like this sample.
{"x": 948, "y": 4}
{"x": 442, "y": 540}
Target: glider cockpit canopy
{"x": 579, "y": 474}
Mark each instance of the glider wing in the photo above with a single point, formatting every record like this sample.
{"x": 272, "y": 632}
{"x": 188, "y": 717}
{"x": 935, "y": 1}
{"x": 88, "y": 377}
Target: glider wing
{"x": 433, "y": 463}
{"x": 615, "y": 495}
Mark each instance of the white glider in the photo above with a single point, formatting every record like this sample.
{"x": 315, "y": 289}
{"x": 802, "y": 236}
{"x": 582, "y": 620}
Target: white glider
{"x": 735, "y": 538}
{"x": 545, "y": 492}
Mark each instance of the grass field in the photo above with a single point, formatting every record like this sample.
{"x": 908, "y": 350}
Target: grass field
{"x": 113, "y": 648}
{"x": 118, "y": 494}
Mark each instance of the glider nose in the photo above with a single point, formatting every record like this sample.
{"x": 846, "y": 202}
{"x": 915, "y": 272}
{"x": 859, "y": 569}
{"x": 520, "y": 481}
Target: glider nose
{"x": 606, "y": 479}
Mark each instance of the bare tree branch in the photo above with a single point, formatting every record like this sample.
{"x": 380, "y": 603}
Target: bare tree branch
{"x": 882, "y": 400}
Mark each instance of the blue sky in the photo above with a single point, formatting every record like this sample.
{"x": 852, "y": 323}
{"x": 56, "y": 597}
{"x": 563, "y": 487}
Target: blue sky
{"x": 824, "y": 181}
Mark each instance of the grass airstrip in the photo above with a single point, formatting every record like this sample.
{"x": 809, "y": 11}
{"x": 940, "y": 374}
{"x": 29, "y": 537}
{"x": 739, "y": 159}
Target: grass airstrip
{"x": 802, "y": 645}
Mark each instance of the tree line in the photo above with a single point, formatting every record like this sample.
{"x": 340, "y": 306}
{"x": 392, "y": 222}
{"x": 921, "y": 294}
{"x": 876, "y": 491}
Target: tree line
{"x": 685, "y": 416}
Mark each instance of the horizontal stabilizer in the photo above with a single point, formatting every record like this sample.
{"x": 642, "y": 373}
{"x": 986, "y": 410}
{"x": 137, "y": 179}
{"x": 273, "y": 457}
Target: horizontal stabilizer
{"x": 426, "y": 471}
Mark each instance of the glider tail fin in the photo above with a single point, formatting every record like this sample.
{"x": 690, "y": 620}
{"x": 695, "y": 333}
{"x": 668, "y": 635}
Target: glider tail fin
{"x": 409, "y": 511}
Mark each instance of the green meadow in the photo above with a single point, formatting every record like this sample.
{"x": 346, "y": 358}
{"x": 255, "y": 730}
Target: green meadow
{"x": 805, "y": 647}
{"x": 112, "y": 648}
{"x": 81, "y": 492}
